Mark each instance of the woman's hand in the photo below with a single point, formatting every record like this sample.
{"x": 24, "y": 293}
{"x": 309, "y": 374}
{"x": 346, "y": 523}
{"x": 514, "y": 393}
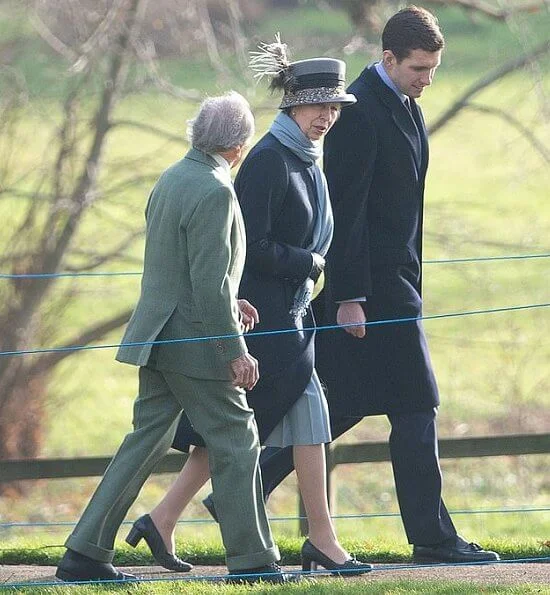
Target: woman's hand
{"x": 249, "y": 315}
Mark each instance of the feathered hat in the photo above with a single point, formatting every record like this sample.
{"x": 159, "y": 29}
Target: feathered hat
{"x": 317, "y": 80}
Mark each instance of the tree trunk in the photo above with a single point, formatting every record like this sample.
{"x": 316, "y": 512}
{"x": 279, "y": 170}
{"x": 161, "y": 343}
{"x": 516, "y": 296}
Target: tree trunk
{"x": 23, "y": 378}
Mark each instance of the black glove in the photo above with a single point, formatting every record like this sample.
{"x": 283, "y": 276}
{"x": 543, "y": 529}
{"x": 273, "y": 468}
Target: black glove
{"x": 317, "y": 267}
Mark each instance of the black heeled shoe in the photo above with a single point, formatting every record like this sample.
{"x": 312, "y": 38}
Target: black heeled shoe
{"x": 311, "y": 556}
{"x": 145, "y": 528}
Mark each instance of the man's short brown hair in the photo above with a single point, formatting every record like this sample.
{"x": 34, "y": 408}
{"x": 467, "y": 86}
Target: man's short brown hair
{"x": 412, "y": 28}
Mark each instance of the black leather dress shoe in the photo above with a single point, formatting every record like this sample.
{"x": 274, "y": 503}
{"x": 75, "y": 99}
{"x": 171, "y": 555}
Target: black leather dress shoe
{"x": 458, "y": 550}
{"x": 145, "y": 528}
{"x": 311, "y": 556}
{"x": 75, "y": 567}
{"x": 209, "y": 505}
{"x": 271, "y": 573}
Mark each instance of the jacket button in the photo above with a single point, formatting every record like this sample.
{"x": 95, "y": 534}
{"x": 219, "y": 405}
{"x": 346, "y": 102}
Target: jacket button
{"x": 220, "y": 348}
{"x": 264, "y": 244}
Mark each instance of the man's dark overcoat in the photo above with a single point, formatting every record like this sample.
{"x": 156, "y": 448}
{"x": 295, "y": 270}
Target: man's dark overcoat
{"x": 376, "y": 158}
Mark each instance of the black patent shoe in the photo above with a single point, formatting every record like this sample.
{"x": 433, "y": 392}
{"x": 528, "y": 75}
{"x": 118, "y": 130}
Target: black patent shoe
{"x": 311, "y": 557}
{"x": 271, "y": 573}
{"x": 145, "y": 528}
{"x": 75, "y": 567}
{"x": 457, "y": 550}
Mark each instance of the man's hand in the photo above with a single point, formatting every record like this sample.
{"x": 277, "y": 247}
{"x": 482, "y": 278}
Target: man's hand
{"x": 249, "y": 315}
{"x": 352, "y": 313}
{"x": 245, "y": 371}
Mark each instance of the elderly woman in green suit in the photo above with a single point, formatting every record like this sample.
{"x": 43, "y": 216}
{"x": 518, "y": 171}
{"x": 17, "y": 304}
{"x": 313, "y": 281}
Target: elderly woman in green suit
{"x": 194, "y": 257}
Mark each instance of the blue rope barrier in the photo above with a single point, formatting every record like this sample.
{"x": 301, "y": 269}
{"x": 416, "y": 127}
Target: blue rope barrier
{"x": 364, "y": 515}
{"x": 49, "y": 275}
{"x": 484, "y": 259}
{"x": 302, "y": 573}
{"x": 275, "y": 332}
{"x": 135, "y": 273}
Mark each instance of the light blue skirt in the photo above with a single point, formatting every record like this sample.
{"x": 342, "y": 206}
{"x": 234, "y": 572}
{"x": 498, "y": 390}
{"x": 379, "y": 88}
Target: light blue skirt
{"x": 306, "y": 422}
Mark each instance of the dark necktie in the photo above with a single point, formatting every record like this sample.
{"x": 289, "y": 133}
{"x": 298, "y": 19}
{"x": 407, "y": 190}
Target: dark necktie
{"x": 418, "y": 141}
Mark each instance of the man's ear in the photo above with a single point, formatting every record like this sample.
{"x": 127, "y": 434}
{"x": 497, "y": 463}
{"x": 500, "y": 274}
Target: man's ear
{"x": 388, "y": 59}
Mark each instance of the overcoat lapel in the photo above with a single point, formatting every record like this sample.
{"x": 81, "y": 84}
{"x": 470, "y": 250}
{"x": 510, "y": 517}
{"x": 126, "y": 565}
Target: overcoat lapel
{"x": 401, "y": 117}
{"x": 421, "y": 125}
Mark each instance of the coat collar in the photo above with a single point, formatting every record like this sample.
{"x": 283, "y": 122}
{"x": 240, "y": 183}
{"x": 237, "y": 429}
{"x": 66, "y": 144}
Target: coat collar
{"x": 204, "y": 158}
{"x": 413, "y": 129}
{"x": 223, "y": 170}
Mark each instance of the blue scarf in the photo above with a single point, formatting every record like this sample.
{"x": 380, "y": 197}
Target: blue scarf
{"x": 288, "y": 133}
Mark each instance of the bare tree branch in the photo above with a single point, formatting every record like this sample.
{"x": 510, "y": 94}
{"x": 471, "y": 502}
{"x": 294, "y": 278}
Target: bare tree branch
{"x": 52, "y": 40}
{"x": 95, "y": 333}
{"x": 210, "y": 37}
{"x": 122, "y": 260}
{"x": 100, "y": 259}
{"x": 486, "y": 81}
{"x": 544, "y": 152}
{"x": 84, "y": 192}
{"x": 101, "y": 32}
{"x": 129, "y": 183}
{"x": 150, "y": 128}
{"x": 490, "y": 10}
{"x": 239, "y": 41}
{"x": 147, "y": 56}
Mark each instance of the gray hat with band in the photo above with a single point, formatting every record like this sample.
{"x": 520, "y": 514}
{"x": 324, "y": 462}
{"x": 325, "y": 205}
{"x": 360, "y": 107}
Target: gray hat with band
{"x": 317, "y": 80}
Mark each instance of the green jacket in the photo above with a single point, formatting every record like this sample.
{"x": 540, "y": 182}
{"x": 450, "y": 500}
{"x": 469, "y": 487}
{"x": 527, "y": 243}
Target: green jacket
{"x": 194, "y": 257}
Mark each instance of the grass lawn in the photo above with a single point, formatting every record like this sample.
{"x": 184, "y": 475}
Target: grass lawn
{"x": 209, "y": 552}
{"x": 306, "y": 587}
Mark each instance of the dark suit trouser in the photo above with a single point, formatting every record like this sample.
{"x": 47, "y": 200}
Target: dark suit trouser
{"x": 415, "y": 461}
{"x": 221, "y": 414}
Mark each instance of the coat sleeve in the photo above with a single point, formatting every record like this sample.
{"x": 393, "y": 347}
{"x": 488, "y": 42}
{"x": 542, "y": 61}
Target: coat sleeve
{"x": 210, "y": 252}
{"x": 262, "y": 188}
{"x": 350, "y": 156}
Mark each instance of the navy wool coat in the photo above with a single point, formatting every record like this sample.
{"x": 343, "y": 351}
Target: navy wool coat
{"x": 376, "y": 157}
{"x": 277, "y": 195}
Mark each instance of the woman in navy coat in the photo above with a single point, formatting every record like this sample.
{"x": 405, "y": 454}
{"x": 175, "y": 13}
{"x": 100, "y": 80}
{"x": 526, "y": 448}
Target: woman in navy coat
{"x": 288, "y": 218}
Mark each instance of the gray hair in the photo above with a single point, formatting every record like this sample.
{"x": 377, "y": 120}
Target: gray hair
{"x": 222, "y": 123}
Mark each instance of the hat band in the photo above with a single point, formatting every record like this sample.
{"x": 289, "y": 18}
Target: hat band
{"x": 317, "y": 95}
{"x": 316, "y": 79}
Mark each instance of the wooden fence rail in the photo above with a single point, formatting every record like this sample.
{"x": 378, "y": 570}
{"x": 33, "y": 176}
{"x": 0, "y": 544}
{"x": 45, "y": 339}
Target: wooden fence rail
{"x": 339, "y": 454}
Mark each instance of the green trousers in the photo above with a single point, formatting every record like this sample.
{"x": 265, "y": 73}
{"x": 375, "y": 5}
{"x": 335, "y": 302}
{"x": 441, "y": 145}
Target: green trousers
{"x": 220, "y": 413}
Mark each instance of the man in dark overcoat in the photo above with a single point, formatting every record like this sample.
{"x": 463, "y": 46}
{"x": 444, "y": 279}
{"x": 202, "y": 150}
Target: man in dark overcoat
{"x": 376, "y": 157}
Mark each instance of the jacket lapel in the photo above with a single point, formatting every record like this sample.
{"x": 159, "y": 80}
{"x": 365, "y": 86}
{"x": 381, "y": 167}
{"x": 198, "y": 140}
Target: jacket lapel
{"x": 400, "y": 115}
{"x": 421, "y": 125}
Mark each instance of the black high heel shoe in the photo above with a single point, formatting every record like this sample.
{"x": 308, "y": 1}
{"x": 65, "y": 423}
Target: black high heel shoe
{"x": 311, "y": 556}
{"x": 145, "y": 528}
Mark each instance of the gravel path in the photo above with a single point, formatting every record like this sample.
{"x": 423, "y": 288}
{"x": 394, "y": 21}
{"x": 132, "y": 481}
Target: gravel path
{"x": 490, "y": 574}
